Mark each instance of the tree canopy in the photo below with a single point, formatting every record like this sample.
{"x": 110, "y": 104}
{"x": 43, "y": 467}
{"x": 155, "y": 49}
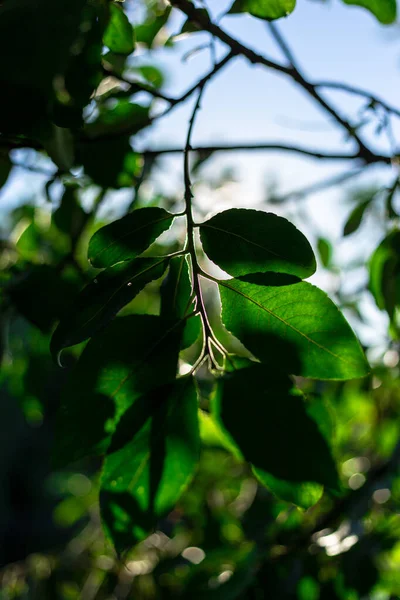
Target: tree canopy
{"x": 185, "y": 414}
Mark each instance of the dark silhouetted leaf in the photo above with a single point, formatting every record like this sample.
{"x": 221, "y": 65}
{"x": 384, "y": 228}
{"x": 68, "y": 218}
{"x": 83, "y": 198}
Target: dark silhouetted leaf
{"x": 69, "y": 216}
{"x": 151, "y": 459}
{"x": 111, "y": 163}
{"x": 271, "y": 427}
{"x": 243, "y": 241}
{"x": 294, "y": 327}
{"x": 103, "y": 298}
{"x": 118, "y": 36}
{"x": 384, "y": 271}
{"x": 264, "y": 9}
{"x": 42, "y": 295}
{"x": 355, "y": 218}
{"x": 132, "y": 356}
{"x": 190, "y": 27}
{"x": 5, "y": 167}
{"x": 175, "y": 299}
{"x": 384, "y": 10}
{"x": 128, "y": 237}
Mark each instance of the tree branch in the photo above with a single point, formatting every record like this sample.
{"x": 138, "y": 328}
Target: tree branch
{"x": 317, "y": 186}
{"x": 298, "y": 76}
{"x": 203, "y": 21}
{"x": 351, "y": 89}
{"x": 263, "y": 147}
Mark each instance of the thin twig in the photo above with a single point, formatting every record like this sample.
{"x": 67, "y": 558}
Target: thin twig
{"x": 204, "y": 22}
{"x": 298, "y": 76}
{"x": 262, "y": 147}
{"x": 351, "y": 89}
{"x": 318, "y": 186}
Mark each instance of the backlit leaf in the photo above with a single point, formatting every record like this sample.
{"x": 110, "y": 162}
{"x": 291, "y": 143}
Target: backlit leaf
{"x": 264, "y": 9}
{"x": 103, "y": 298}
{"x": 384, "y": 10}
{"x": 293, "y": 327}
{"x": 131, "y": 356}
{"x": 158, "y": 437}
{"x": 243, "y": 241}
{"x": 128, "y": 237}
{"x": 118, "y": 36}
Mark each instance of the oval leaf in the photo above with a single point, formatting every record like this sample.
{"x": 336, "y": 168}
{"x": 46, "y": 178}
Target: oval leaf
{"x": 103, "y": 298}
{"x": 271, "y": 427}
{"x": 355, "y": 218}
{"x": 264, "y": 9}
{"x": 243, "y": 241}
{"x": 128, "y": 237}
{"x": 151, "y": 460}
{"x": 118, "y": 36}
{"x": 295, "y": 327}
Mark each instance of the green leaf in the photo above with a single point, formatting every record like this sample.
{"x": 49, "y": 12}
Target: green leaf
{"x": 243, "y": 241}
{"x": 111, "y": 163}
{"x": 384, "y": 10}
{"x": 119, "y": 118}
{"x": 103, "y": 298}
{"x": 264, "y": 9}
{"x": 355, "y": 218}
{"x": 129, "y": 358}
{"x": 147, "y": 32}
{"x": 293, "y": 327}
{"x": 270, "y": 425}
{"x": 128, "y": 237}
{"x": 213, "y": 435}
{"x": 175, "y": 299}
{"x": 151, "y": 74}
{"x": 325, "y": 252}
{"x": 304, "y": 494}
{"x": 151, "y": 460}
{"x": 118, "y": 36}
{"x": 384, "y": 271}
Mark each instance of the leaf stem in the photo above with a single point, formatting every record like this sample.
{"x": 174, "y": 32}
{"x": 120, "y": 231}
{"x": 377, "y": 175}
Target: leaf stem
{"x": 190, "y": 247}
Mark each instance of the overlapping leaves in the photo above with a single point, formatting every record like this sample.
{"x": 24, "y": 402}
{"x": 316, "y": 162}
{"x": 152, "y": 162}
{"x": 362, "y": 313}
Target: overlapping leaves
{"x": 123, "y": 398}
{"x": 275, "y": 432}
{"x": 159, "y": 438}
